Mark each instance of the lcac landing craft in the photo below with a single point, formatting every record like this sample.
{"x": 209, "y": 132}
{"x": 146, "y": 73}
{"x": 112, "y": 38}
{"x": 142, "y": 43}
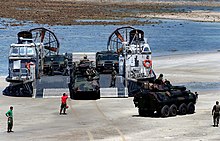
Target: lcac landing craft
{"x": 135, "y": 62}
{"x": 26, "y": 59}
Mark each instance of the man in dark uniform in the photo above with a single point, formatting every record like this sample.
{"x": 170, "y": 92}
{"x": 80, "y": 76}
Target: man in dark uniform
{"x": 215, "y": 113}
{"x": 159, "y": 80}
{"x": 114, "y": 73}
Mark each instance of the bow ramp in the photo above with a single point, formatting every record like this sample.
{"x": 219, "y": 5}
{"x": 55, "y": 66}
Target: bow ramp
{"x": 89, "y": 60}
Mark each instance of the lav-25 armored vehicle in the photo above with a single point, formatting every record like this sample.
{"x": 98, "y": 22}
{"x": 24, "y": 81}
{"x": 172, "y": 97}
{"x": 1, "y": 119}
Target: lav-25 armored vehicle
{"x": 84, "y": 81}
{"x": 164, "y": 100}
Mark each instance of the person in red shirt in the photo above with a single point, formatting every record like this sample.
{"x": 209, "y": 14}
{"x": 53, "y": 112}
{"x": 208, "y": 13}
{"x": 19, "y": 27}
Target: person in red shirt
{"x": 63, "y": 103}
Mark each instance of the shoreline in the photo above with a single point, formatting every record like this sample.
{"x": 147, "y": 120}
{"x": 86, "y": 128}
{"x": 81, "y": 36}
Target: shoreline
{"x": 196, "y": 15}
{"x": 69, "y": 12}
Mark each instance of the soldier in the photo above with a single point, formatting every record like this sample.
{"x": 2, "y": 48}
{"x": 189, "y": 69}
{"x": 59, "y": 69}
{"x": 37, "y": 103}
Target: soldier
{"x": 9, "y": 114}
{"x": 114, "y": 73}
{"x": 89, "y": 73}
{"x": 159, "y": 80}
{"x": 215, "y": 113}
{"x": 85, "y": 58}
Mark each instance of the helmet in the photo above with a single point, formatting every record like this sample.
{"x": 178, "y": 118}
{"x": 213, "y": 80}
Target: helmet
{"x": 85, "y": 57}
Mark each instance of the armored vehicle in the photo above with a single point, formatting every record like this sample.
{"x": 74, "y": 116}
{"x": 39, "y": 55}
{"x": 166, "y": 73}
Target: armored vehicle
{"x": 164, "y": 100}
{"x": 106, "y": 60}
{"x": 84, "y": 81}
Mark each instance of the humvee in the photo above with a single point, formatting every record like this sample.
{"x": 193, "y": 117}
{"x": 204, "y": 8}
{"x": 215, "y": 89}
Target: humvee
{"x": 55, "y": 64}
{"x": 106, "y": 60}
{"x": 168, "y": 101}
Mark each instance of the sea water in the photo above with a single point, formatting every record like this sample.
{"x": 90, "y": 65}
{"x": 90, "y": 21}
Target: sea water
{"x": 168, "y": 37}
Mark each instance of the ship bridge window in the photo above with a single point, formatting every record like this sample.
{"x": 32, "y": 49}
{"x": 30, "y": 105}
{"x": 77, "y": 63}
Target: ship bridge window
{"x": 14, "y": 51}
{"x": 22, "y": 51}
{"x": 30, "y": 51}
{"x": 146, "y": 49}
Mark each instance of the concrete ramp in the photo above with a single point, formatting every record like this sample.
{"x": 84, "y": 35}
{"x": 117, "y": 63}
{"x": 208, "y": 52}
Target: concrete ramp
{"x": 113, "y": 92}
{"x": 54, "y": 93}
{"x": 106, "y": 91}
{"x": 51, "y": 86}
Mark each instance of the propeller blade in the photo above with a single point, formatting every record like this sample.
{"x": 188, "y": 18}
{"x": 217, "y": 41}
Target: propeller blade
{"x": 51, "y": 48}
{"x": 120, "y": 50}
{"x": 119, "y": 36}
{"x": 42, "y": 35}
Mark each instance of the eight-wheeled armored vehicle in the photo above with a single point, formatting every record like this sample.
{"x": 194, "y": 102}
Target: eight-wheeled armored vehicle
{"x": 164, "y": 100}
{"x": 84, "y": 81}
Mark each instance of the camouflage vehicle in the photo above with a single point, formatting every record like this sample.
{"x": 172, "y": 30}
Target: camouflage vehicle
{"x": 106, "y": 60}
{"x": 55, "y": 64}
{"x": 84, "y": 81}
{"x": 166, "y": 101}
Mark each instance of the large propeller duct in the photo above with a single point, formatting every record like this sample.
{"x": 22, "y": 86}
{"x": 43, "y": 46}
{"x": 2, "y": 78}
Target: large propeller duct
{"x": 118, "y": 38}
{"x": 47, "y": 38}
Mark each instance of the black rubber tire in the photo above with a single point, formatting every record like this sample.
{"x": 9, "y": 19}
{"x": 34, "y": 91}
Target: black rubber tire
{"x": 141, "y": 112}
{"x": 173, "y": 110}
{"x": 190, "y": 108}
{"x": 183, "y": 109}
{"x": 165, "y": 111}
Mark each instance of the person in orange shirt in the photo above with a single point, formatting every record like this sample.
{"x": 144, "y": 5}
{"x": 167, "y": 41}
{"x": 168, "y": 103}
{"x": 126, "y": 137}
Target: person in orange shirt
{"x": 63, "y": 106}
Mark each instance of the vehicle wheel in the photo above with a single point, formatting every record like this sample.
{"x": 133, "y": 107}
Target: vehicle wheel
{"x": 183, "y": 109}
{"x": 173, "y": 110}
{"x": 141, "y": 112}
{"x": 190, "y": 108}
{"x": 165, "y": 111}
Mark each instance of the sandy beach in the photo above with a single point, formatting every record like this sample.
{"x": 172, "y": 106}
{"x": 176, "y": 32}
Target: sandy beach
{"x": 70, "y": 12}
{"x": 112, "y": 119}
{"x": 117, "y": 119}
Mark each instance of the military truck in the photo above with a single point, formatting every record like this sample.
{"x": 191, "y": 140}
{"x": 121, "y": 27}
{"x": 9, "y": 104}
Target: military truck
{"x": 84, "y": 81}
{"x": 55, "y": 64}
{"x": 106, "y": 60}
{"x": 164, "y": 100}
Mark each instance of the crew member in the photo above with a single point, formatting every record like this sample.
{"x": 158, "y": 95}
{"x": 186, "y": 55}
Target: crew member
{"x": 215, "y": 113}
{"x": 9, "y": 114}
{"x": 63, "y": 106}
{"x": 114, "y": 73}
{"x": 85, "y": 58}
{"x": 159, "y": 80}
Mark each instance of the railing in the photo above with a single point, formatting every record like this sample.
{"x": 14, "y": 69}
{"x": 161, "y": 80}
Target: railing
{"x": 18, "y": 74}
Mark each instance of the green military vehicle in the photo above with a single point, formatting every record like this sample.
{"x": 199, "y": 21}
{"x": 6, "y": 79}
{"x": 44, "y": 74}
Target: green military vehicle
{"x": 165, "y": 100}
{"x": 55, "y": 64}
{"x": 84, "y": 81}
{"x": 106, "y": 61}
